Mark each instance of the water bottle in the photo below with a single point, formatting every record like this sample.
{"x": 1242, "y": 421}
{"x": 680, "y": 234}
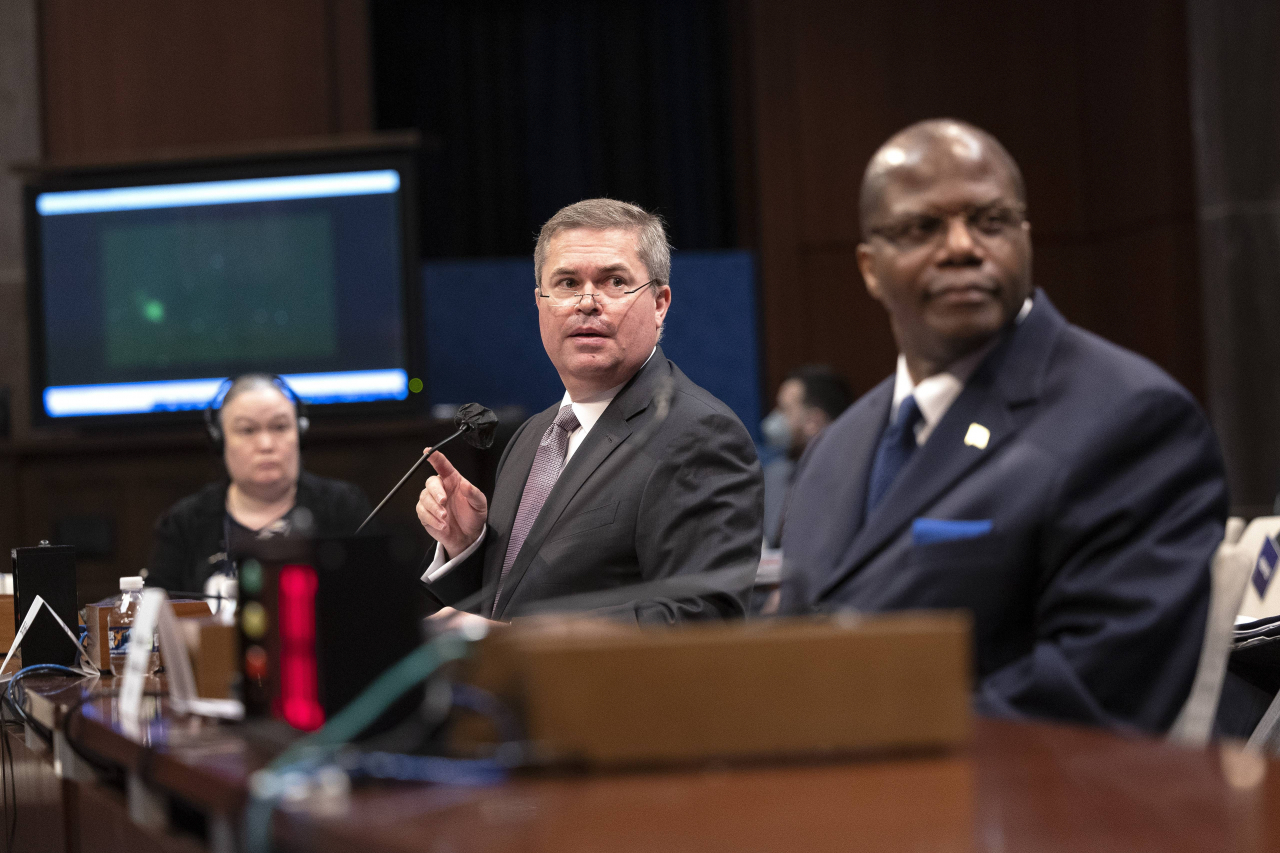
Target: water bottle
{"x": 120, "y": 623}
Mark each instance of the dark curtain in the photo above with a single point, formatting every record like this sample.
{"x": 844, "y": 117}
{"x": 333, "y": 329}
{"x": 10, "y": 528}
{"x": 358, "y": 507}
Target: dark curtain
{"x": 527, "y": 107}
{"x": 1235, "y": 97}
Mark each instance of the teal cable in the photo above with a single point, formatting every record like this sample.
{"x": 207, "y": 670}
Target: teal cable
{"x": 409, "y": 671}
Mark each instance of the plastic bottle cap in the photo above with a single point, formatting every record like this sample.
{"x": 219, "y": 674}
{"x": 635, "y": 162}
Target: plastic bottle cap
{"x": 130, "y": 584}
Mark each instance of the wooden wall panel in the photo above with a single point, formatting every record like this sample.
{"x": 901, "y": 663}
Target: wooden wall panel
{"x": 852, "y": 327}
{"x": 1089, "y": 97}
{"x": 128, "y": 491}
{"x": 136, "y": 76}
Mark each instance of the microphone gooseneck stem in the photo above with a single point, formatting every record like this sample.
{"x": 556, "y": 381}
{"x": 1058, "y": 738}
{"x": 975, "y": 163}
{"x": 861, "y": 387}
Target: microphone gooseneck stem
{"x": 407, "y": 475}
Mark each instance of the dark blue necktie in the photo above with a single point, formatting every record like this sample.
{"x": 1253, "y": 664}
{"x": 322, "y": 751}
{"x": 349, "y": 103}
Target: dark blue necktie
{"x": 896, "y": 446}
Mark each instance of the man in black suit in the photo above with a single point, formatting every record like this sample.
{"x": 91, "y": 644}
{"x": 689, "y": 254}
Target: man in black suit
{"x": 1067, "y": 492}
{"x": 636, "y": 476}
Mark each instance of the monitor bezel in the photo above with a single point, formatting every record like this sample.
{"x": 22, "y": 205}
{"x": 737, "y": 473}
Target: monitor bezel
{"x": 398, "y": 154}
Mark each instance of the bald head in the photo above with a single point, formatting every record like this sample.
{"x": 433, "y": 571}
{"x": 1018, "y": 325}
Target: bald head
{"x": 917, "y": 154}
{"x": 947, "y": 245}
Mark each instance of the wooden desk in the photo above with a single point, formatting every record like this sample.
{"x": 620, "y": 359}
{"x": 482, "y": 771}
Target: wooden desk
{"x": 1020, "y": 787}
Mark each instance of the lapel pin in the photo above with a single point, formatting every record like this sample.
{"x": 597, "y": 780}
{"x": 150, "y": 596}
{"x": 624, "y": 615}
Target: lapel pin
{"x": 977, "y": 436}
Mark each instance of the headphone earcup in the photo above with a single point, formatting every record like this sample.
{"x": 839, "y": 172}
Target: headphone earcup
{"x": 215, "y": 435}
{"x": 213, "y": 415}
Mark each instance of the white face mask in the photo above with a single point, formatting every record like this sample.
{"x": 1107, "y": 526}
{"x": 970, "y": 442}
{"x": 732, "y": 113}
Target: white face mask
{"x": 777, "y": 431}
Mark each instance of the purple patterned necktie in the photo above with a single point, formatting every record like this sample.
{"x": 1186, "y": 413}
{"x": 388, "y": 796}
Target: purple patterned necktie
{"x": 547, "y": 463}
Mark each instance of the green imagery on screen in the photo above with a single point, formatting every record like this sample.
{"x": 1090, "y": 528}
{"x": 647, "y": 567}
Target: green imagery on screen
{"x": 255, "y": 290}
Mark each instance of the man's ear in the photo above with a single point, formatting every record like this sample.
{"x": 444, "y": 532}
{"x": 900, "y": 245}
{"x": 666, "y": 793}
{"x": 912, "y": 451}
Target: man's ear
{"x": 866, "y": 265}
{"x": 662, "y": 301}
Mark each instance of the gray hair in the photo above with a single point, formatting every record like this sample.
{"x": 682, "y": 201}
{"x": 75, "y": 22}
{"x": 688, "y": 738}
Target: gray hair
{"x": 602, "y": 213}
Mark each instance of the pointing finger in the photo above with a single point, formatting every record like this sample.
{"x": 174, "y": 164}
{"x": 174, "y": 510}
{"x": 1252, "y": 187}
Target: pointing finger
{"x": 442, "y": 465}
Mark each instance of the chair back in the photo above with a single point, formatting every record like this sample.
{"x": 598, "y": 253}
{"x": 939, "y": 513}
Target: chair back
{"x": 1230, "y": 569}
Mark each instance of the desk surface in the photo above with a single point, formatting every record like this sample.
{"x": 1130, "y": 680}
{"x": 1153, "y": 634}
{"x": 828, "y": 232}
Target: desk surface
{"x": 1018, "y": 787}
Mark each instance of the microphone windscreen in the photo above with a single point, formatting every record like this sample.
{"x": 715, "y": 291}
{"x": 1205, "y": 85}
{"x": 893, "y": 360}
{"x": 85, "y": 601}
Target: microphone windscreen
{"x": 479, "y": 423}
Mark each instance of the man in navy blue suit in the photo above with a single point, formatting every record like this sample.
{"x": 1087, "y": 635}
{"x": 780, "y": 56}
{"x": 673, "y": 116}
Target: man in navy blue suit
{"x": 1066, "y": 491}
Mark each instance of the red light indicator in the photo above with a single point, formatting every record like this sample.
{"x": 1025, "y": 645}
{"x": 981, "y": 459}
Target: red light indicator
{"x": 299, "y": 684}
{"x": 255, "y": 663}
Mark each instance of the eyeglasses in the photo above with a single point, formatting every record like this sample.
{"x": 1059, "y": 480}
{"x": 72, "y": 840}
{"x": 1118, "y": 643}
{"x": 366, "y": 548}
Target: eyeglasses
{"x": 568, "y": 292}
{"x": 913, "y": 232}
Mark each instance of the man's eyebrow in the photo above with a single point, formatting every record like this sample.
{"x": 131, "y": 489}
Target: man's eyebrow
{"x": 938, "y": 213}
{"x": 573, "y": 271}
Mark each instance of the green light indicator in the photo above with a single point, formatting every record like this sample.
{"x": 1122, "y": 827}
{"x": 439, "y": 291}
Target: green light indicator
{"x": 415, "y": 385}
{"x": 153, "y": 310}
{"x": 251, "y": 577}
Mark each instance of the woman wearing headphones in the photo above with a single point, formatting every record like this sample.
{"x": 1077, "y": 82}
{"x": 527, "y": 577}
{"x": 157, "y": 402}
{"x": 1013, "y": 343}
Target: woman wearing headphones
{"x": 257, "y": 428}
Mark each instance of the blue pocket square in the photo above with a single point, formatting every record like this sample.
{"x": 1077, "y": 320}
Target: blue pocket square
{"x": 927, "y": 531}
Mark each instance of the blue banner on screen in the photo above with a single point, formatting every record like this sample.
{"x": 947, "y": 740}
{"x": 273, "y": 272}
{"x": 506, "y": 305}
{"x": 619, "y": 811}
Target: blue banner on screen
{"x": 147, "y": 291}
{"x": 205, "y": 193}
{"x": 132, "y": 398}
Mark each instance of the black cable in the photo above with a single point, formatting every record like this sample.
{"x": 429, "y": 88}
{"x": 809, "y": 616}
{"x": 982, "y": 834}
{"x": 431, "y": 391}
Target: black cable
{"x": 16, "y": 699}
{"x": 8, "y": 782}
{"x": 16, "y": 703}
{"x": 8, "y": 770}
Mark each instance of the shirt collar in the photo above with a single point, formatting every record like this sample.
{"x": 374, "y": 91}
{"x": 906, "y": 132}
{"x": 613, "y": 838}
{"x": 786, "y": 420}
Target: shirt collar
{"x": 589, "y": 409}
{"x": 935, "y": 394}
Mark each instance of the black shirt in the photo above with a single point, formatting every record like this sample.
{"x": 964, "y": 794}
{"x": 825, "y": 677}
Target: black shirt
{"x": 190, "y": 538}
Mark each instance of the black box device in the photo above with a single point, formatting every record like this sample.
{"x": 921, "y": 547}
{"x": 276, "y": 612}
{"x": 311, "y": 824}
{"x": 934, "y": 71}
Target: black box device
{"x": 320, "y": 620}
{"x": 48, "y": 571}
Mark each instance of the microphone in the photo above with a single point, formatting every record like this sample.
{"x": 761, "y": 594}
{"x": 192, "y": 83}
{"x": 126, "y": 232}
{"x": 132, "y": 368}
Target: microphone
{"x": 474, "y": 423}
{"x": 661, "y": 402}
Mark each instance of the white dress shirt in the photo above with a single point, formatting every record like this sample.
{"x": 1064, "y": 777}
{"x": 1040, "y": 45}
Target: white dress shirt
{"x": 935, "y": 394}
{"x": 588, "y": 411}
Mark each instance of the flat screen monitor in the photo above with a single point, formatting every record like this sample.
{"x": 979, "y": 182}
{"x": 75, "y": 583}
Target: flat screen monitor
{"x": 149, "y": 285}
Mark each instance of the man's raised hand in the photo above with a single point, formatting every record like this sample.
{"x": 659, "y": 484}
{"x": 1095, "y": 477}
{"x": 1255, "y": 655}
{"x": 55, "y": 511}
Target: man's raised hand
{"x": 451, "y": 509}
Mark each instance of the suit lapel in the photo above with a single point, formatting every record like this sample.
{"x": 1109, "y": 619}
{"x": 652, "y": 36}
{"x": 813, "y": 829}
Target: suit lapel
{"x": 994, "y": 398}
{"x": 605, "y": 437}
{"x": 506, "y": 502}
{"x": 862, "y": 448}
{"x": 933, "y": 469}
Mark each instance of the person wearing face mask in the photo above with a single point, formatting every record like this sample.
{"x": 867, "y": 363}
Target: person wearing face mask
{"x": 256, "y": 427}
{"x": 809, "y": 398}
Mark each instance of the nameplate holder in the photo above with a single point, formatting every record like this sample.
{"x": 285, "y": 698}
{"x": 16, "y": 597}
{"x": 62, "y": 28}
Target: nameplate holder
{"x": 38, "y": 604}
{"x": 600, "y": 694}
{"x": 155, "y": 615}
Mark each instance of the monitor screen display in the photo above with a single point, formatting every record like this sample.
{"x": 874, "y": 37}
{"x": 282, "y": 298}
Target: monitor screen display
{"x": 147, "y": 294}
